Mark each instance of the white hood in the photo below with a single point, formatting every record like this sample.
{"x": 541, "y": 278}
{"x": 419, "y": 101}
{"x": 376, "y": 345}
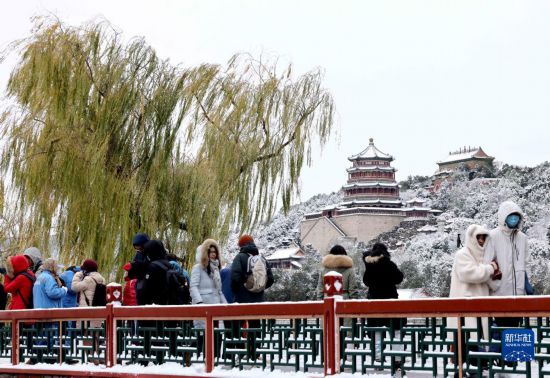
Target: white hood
{"x": 471, "y": 240}
{"x": 506, "y": 208}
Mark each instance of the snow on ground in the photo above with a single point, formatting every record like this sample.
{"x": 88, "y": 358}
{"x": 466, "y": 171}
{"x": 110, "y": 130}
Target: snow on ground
{"x": 174, "y": 368}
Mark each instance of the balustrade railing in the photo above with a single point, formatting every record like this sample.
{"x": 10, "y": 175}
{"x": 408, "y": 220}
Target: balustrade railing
{"x": 327, "y": 336}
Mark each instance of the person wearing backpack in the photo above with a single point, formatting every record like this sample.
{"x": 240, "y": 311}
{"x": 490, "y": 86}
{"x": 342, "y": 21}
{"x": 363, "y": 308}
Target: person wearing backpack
{"x": 19, "y": 281}
{"x": 90, "y": 286}
{"x": 250, "y": 276}
{"x": 206, "y": 283}
{"x": 155, "y": 283}
{"x": 242, "y": 272}
{"x": 86, "y": 282}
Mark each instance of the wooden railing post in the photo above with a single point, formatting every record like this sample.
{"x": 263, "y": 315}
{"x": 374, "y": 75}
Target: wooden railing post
{"x": 209, "y": 343}
{"x": 110, "y": 337}
{"x": 331, "y": 351}
{"x": 459, "y": 346}
{"x": 332, "y": 288}
{"x": 15, "y": 342}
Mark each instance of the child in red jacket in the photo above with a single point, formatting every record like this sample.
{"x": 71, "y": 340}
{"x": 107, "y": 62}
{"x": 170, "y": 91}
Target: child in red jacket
{"x": 19, "y": 281}
{"x": 129, "y": 291}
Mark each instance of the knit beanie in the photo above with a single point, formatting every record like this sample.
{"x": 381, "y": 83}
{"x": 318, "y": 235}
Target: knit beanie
{"x": 245, "y": 239}
{"x": 140, "y": 239}
{"x": 89, "y": 265}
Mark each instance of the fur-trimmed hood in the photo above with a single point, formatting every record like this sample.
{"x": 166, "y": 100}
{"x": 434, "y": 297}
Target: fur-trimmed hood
{"x": 205, "y": 246}
{"x": 337, "y": 261}
{"x": 373, "y": 259}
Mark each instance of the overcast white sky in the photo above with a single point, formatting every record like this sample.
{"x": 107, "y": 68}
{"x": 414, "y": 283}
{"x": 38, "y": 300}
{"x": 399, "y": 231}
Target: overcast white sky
{"x": 420, "y": 77}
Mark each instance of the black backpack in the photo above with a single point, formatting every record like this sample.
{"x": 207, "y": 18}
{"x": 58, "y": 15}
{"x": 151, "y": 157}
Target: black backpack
{"x": 3, "y": 298}
{"x": 176, "y": 285}
{"x": 100, "y": 295}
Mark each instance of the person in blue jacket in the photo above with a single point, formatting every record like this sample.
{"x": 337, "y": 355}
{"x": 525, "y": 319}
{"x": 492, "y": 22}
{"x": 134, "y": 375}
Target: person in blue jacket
{"x": 69, "y": 300}
{"x": 67, "y": 276}
{"x": 48, "y": 292}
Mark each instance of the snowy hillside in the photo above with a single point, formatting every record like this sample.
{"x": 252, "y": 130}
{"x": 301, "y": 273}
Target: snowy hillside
{"x": 283, "y": 229}
{"x": 426, "y": 258}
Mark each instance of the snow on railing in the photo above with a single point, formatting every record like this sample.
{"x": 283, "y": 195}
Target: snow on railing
{"x": 299, "y": 335}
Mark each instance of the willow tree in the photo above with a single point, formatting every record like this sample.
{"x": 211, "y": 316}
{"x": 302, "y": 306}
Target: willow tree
{"x": 103, "y": 138}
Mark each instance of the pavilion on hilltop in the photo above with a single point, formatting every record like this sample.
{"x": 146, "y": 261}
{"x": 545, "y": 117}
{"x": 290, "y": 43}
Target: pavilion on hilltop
{"x": 371, "y": 204}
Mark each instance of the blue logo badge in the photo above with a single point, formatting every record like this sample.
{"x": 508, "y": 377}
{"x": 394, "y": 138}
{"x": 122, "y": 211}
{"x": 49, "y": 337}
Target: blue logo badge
{"x": 518, "y": 345}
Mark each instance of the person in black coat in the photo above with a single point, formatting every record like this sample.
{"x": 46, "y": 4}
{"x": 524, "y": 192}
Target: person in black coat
{"x": 381, "y": 276}
{"x": 239, "y": 275}
{"x": 239, "y": 272}
{"x": 154, "y": 289}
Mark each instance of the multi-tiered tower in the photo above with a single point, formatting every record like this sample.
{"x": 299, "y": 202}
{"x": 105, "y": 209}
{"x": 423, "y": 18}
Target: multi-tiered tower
{"x": 371, "y": 204}
{"x": 371, "y": 180}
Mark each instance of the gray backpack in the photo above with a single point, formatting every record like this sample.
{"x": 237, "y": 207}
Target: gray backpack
{"x": 257, "y": 274}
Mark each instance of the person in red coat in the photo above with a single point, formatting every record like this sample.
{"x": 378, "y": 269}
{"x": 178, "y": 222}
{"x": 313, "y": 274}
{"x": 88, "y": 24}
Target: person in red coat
{"x": 19, "y": 281}
{"x": 129, "y": 291}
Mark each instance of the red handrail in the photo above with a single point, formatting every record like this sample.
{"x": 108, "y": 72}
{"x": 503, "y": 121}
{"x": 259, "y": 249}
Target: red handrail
{"x": 329, "y": 310}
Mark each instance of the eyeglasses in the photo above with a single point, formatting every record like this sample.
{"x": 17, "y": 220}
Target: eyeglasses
{"x": 481, "y": 237}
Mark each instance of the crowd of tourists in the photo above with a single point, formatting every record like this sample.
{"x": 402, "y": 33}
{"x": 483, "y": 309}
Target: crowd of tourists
{"x": 154, "y": 276}
{"x": 490, "y": 263}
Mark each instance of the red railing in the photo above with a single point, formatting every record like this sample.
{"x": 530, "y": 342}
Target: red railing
{"x": 329, "y": 310}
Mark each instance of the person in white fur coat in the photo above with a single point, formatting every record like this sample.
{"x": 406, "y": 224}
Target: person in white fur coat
{"x": 470, "y": 276}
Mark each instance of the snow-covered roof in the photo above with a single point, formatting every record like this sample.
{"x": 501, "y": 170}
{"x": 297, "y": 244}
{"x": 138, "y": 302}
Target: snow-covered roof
{"x": 371, "y": 184}
{"x": 416, "y": 200}
{"x": 284, "y": 253}
{"x": 370, "y": 202}
{"x": 371, "y": 152}
{"x": 427, "y": 228}
{"x": 416, "y": 208}
{"x": 466, "y": 154}
{"x": 389, "y": 209}
{"x": 372, "y": 168}
{"x": 296, "y": 264}
{"x": 314, "y": 213}
{"x": 330, "y": 207}
{"x": 443, "y": 172}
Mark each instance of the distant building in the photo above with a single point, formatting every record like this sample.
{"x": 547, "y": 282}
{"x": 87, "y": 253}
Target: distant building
{"x": 287, "y": 258}
{"x": 469, "y": 159}
{"x": 371, "y": 204}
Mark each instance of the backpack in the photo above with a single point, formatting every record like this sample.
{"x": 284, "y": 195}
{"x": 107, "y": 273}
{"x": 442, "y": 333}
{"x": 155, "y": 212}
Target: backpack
{"x": 257, "y": 274}
{"x": 3, "y": 298}
{"x": 29, "y": 304}
{"x": 100, "y": 295}
{"x": 177, "y": 286}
